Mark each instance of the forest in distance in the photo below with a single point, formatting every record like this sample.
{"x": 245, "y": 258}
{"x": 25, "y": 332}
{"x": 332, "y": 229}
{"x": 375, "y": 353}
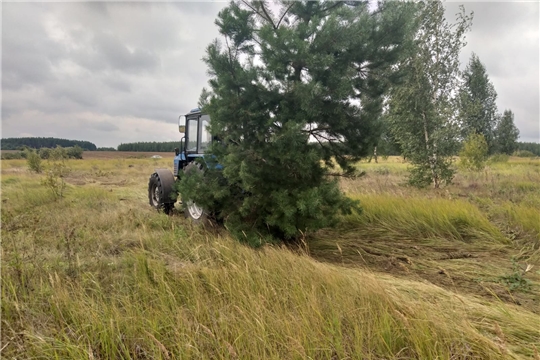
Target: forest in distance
{"x": 384, "y": 149}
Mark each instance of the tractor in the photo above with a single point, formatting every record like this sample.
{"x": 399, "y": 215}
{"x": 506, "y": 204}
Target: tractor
{"x": 194, "y": 144}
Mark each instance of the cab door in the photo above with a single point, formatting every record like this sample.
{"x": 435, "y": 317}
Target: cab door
{"x": 204, "y": 134}
{"x": 192, "y": 134}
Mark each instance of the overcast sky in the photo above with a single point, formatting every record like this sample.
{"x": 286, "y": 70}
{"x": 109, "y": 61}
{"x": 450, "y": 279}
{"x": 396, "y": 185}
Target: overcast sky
{"x": 114, "y": 73}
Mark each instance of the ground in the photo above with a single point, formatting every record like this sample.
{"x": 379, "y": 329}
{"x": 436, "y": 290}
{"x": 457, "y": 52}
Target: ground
{"x": 96, "y": 273}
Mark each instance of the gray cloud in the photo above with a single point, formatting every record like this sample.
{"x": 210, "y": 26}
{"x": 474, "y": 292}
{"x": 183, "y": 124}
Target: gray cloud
{"x": 505, "y": 37}
{"x": 118, "y": 84}
{"x": 121, "y": 72}
{"x": 102, "y": 125}
{"x": 26, "y": 58}
{"x": 107, "y": 51}
{"x": 114, "y": 61}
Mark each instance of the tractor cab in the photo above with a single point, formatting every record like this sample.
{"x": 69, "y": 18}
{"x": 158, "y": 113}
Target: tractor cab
{"x": 194, "y": 144}
{"x": 196, "y": 139}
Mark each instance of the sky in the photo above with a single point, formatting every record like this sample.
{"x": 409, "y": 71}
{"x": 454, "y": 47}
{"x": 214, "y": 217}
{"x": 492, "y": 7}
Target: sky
{"x": 119, "y": 72}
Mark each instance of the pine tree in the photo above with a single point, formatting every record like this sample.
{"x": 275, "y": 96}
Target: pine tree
{"x": 291, "y": 91}
{"x": 507, "y": 134}
{"x": 478, "y": 110}
{"x": 422, "y": 111}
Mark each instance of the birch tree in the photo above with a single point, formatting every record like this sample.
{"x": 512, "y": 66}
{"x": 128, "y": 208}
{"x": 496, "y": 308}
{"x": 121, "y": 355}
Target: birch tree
{"x": 423, "y": 110}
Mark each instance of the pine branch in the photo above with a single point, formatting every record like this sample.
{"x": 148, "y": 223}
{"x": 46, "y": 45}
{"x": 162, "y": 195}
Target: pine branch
{"x": 268, "y": 16}
{"x": 285, "y": 13}
{"x": 265, "y": 16}
{"x": 336, "y": 4}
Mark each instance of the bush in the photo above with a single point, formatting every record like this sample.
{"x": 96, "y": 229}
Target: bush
{"x": 56, "y": 171}
{"x": 12, "y": 156}
{"x": 33, "y": 161}
{"x": 523, "y": 153}
{"x": 499, "y": 158}
{"x": 44, "y": 153}
{"x": 75, "y": 152}
{"x": 474, "y": 154}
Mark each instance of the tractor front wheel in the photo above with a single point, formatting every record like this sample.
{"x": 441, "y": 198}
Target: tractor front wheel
{"x": 159, "y": 192}
{"x": 191, "y": 210}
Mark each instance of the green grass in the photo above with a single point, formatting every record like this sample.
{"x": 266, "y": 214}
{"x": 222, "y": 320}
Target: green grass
{"x": 522, "y": 216}
{"x": 100, "y": 275}
{"x": 423, "y": 218}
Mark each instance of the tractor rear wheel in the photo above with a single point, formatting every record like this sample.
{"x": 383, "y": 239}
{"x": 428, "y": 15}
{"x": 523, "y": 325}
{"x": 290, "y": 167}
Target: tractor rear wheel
{"x": 159, "y": 192}
{"x": 191, "y": 210}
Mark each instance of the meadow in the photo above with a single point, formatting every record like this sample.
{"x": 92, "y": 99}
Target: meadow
{"x": 452, "y": 273}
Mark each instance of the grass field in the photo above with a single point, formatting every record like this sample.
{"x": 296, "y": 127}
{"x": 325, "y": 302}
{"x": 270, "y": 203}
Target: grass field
{"x": 419, "y": 274}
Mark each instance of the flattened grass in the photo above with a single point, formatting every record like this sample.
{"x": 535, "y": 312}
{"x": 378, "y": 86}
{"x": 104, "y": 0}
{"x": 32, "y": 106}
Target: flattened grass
{"x": 423, "y": 218}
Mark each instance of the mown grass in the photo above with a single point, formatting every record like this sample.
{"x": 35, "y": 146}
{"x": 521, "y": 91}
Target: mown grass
{"x": 100, "y": 275}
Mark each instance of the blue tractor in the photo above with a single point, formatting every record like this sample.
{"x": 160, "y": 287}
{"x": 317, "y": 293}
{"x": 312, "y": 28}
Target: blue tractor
{"x": 196, "y": 141}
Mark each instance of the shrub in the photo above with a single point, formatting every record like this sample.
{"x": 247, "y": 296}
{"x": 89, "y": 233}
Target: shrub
{"x": 523, "y": 153}
{"x": 474, "y": 153}
{"x": 12, "y": 156}
{"x": 499, "y": 158}
{"x": 57, "y": 170}
{"x": 75, "y": 152}
{"x": 33, "y": 161}
{"x": 44, "y": 153}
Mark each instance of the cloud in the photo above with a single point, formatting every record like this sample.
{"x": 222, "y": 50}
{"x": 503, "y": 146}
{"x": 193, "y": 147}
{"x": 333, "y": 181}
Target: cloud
{"x": 102, "y": 125}
{"x": 119, "y": 60}
{"x": 26, "y": 58}
{"x": 102, "y": 130}
{"x": 505, "y": 36}
{"x": 112, "y": 73}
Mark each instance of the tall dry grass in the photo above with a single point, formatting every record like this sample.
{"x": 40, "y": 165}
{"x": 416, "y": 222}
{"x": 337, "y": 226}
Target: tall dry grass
{"x": 423, "y": 218}
{"x": 99, "y": 275}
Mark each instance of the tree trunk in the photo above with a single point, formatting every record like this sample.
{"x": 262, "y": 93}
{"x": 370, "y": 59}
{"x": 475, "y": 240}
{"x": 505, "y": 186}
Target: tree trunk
{"x": 431, "y": 158}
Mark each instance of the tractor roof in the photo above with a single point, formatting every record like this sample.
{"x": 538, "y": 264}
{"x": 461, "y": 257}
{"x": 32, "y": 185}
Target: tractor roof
{"x": 193, "y": 111}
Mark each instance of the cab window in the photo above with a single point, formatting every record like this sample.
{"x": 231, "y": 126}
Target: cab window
{"x": 204, "y": 133}
{"x": 191, "y": 135}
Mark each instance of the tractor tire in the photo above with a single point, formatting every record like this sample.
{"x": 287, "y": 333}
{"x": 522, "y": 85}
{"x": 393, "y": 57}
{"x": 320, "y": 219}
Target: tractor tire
{"x": 160, "y": 188}
{"x": 192, "y": 211}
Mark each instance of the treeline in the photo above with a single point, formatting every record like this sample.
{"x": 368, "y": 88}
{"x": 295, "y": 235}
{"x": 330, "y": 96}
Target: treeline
{"x": 529, "y": 146}
{"x": 42, "y": 142}
{"x": 149, "y": 146}
{"x": 386, "y": 147}
{"x": 74, "y": 152}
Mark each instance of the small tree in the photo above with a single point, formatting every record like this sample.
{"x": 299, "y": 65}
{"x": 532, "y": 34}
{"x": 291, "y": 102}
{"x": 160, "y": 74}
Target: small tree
{"x": 422, "y": 111}
{"x": 75, "y": 152}
{"x": 57, "y": 170}
{"x": 44, "y": 153}
{"x": 477, "y": 98}
{"x": 507, "y": 134}
{"x": 474, "y": 153}
{"x": 33, "y": 160}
